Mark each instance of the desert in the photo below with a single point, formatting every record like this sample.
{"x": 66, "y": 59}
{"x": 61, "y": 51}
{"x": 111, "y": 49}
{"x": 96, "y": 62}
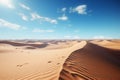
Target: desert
{"x": 97, "y": 60}
{"x": 60, "y": 60}
{"x": 21, "y": 60}
{"x": 59, "y": 39}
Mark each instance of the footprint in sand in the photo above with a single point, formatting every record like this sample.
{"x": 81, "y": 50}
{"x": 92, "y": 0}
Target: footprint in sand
{"x": 22, "y": 65}
{"x": 63, "y": 56}
{"x": 49, "y": 61}
{"x": 19, "y": 65}
{"x": 58, "y": 63}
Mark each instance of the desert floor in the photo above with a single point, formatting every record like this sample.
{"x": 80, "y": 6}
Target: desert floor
{"x": 25, "y": 60}
{"x": 60, "y": 60}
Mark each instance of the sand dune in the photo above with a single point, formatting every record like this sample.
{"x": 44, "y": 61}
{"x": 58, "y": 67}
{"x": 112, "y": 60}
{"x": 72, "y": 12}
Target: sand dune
{"x": 92, "y": 62}
{"x": 23, "y": 44}
{"x": 43, "y": 45}
{"x": 19, "y": 63}
{"x": 60, "y": 60}
{"x": 114, "y": 44}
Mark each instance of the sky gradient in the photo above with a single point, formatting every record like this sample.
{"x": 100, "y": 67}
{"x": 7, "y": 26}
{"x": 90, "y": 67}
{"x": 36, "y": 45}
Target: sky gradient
{"x": 59, "y": 19}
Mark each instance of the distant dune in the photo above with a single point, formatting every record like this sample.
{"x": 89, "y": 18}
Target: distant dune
{"x": 24, "y": 44}
{"x": 113, "y": 44}
{"x": 92, "y": 62}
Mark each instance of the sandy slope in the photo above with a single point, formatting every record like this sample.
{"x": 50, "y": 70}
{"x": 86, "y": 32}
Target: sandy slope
{"x": 93, "y": 62}
{"x": 114, "y": 44}
{"x": 32, "y": 63}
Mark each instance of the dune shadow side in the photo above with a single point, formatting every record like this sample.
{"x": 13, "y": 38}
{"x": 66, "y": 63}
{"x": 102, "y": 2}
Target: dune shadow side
{"x": 92, "y": 62}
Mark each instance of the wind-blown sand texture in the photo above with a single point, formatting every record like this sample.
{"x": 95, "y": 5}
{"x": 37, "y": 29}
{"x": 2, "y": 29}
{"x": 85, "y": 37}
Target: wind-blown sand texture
{"x": 114, "y": 44}
{"x": 93, "y": 62}
{"x": 60, "y": 60}
{"x": 22, "y": 60}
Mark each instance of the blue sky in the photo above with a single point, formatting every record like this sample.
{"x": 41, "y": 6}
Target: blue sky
{"x": 59, "y": 19}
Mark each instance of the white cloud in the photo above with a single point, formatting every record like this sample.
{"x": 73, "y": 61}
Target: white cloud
{"x": 81, "y": 9}
{"x": 98, "y": 37}
{"x": 7, "y": 3}
{"x": 42, "y": 31}
{"x": 49, "y": 30}
{"x": 53, "y": 21}
{"x": 10, "y": 25}
{"x": 63, "y": 9}
{"x": 102, "y": 37}
{"x": 71, "y": 37}
{"x": 36, "y": 16}
{"x": 63, "y": 17}
{"x": 67, "y": 36}
{"x": 76, "y": 37}
{"x": 24, "y": 6}
{"x": 23, "y": 16}
{"x": 11, "y": 6}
